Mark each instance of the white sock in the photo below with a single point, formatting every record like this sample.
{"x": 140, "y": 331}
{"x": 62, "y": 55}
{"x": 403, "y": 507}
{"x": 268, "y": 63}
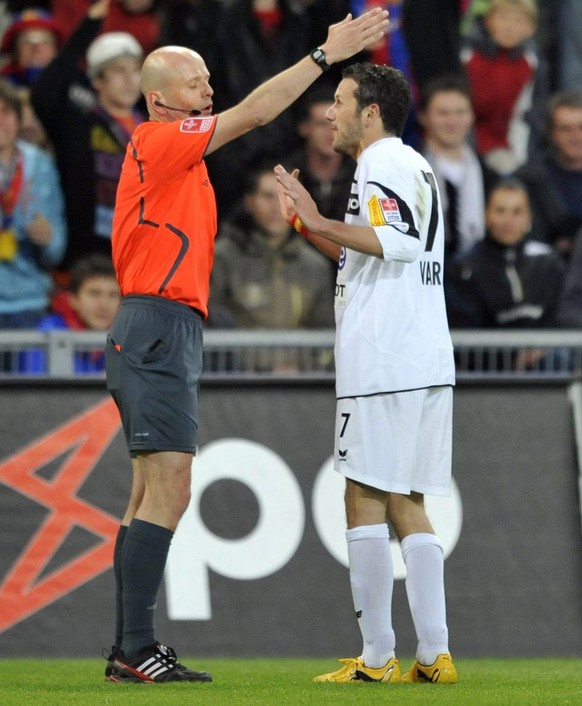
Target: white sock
{"x": 372, "y": 578}
{"x": 425, "y": 588}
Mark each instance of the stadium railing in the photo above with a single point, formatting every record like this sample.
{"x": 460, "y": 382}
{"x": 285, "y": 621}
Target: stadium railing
{"x": 533, "y": 354}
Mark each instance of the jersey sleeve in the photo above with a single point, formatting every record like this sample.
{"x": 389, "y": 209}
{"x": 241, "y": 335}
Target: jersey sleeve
{"x": 392, "y": 220}
{"x": 386, "y": 209}
{"x": 177, "y": 146}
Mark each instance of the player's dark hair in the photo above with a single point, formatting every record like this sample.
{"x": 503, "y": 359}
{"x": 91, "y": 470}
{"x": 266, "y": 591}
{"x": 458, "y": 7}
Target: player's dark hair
{"x": 95, "y": 265}
{"x": 385, "y": 86}
{"x": 448, "y": 83}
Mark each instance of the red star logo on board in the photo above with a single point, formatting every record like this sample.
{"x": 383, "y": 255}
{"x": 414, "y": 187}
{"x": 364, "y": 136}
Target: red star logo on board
{"x": 81, "y": 442}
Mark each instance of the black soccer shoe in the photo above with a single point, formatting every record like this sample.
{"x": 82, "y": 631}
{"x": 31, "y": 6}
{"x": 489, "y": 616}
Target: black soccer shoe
{"x": 110, "y": 669}
{"x": 154, "y": 664}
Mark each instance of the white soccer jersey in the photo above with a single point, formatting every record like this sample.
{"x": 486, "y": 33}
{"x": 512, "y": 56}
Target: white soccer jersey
{"x": 392, "y": 330}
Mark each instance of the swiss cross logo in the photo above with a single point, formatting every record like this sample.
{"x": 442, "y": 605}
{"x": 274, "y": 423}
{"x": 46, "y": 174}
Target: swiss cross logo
{"x": 196, "y": 124}
{"x": 81, "y": 442}
{"x": 390, "y": 210}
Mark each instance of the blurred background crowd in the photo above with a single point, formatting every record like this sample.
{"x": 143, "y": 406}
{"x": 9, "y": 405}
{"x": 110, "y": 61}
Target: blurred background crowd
{"x": 497, "y": 112}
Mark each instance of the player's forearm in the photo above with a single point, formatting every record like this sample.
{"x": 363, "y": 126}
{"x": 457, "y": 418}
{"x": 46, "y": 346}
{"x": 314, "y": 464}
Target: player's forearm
{"x": 359, "y": 238}
{"x": 325, "y": 246}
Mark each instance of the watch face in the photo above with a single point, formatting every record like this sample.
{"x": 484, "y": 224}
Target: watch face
{"x": 318, "y": 55}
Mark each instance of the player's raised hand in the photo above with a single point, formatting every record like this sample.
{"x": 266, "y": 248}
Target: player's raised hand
{"x": 286, "y": 204}
{"x": 294, "y": 199}
{"x": 350, "y": 36}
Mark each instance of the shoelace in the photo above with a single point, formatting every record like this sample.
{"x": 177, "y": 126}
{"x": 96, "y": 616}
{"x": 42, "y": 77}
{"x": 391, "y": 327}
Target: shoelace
{"x": 172, "y": 656}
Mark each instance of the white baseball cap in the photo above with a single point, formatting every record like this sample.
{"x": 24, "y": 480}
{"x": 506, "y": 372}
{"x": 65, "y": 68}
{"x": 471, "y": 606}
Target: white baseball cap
{"x": 109, "y": 46}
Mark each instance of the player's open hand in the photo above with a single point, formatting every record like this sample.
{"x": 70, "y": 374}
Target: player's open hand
{"x": 350, "y": 36}
{"x": 286, "y": 202}
{"x": 295, "y": 199}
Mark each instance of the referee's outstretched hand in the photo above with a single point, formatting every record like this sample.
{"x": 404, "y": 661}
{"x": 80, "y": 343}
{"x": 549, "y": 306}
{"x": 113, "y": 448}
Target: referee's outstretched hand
{"x": 350, "y": 36}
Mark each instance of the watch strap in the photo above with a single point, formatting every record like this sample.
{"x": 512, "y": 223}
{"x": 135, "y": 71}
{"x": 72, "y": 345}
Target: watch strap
{"x": 318, "y": 55}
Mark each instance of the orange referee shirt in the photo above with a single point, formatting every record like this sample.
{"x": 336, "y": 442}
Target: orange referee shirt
{"x": 165, "y": 214}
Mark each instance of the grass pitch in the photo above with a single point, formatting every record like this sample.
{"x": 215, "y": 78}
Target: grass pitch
{"x": 483, "y": 682}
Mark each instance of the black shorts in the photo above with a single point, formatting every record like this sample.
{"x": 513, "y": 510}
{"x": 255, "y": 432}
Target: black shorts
{"x": 153, "y": 359}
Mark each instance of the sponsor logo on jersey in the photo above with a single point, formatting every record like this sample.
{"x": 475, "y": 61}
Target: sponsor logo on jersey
{"x": 196, "y": 125}
{"x": 353, "y": 208}
{"x": 353, "y": 205}
{"x": 383, "y": 211}
{"x": 342, "y": 259}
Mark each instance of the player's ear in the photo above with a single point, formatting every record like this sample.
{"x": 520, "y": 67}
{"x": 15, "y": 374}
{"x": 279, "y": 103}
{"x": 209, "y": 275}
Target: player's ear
{"x": 373, "y": 110}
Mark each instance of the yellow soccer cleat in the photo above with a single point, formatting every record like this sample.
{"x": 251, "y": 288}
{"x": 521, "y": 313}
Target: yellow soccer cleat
{"x": 441, "y": 671}
{"x": 354, "y": 670}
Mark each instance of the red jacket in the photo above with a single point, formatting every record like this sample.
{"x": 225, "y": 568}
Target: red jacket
{"x": 497, "y": 83}
{"x": 68, "y": 14}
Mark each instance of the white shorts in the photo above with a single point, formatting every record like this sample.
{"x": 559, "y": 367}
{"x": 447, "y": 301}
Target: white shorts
{"x": 398, "y": 442}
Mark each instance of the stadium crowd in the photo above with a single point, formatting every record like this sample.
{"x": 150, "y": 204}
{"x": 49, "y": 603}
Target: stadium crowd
{"x": 498, "y": 101}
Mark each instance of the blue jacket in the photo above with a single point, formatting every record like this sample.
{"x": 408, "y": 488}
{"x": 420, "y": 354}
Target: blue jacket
{"x": 25, "y": 282}
{"x": 34, "y": 361}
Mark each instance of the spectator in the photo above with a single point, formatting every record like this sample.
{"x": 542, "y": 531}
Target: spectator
{"x": 265, "y": 275}
{"x": 30, "y": 42}
{"x": 432, "y": 32}
{"x": 392, "y": 51}
{"x": 554, "y": 176}
{"x": 503, "y": 67}
{"x": 196, "y": 24}
{"x": 506, "y": 280}
{"x": 325, "y": 173}
{"x": 90, "y": 125}
{"x": 136, "y": 17}
{"x": 446, "y": 116}
{"x": 570, "y": 309}
{"x": 91, "y": 300}
{"x": 32, "y": 233}
{"x": 89, "y": 304}
{"x": 568, "y": 50}
{"x": 271, "y": 35}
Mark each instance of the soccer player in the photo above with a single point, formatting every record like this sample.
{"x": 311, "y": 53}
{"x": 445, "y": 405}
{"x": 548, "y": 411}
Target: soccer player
{"x": 395, "y": 370}
{"x": 163, "y": 241}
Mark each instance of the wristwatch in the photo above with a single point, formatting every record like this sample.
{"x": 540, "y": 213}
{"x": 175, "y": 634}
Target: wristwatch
{"x": 318, "y": 55}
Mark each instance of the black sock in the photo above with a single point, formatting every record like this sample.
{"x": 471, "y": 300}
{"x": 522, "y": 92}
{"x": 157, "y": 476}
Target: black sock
{"x": 145, "y": 552}
{"x": 122, "y": 532}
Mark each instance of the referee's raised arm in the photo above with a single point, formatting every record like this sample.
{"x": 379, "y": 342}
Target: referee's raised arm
{"x": 267, "y": 101}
